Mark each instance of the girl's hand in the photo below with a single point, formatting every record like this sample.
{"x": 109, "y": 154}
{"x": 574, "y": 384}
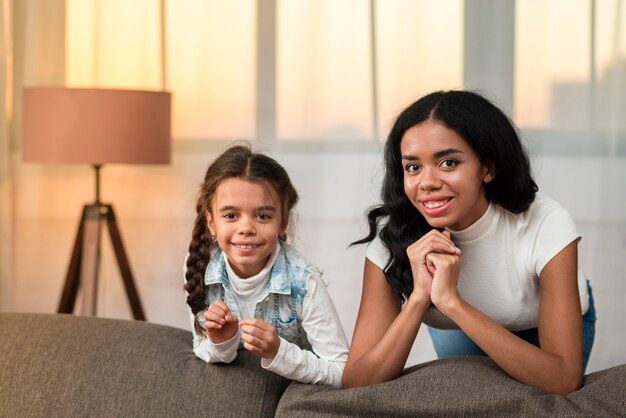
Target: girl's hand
{"x": 260, "y": 338}
{"x": 445, "y": 271}
{"x": 434, "y": 242}
{"x": 220, "y": 322}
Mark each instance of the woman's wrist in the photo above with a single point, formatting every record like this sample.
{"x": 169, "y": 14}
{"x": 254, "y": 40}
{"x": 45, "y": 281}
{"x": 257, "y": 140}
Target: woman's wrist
{"x": 418, "y": 302}
{"x": 451, "y": 307}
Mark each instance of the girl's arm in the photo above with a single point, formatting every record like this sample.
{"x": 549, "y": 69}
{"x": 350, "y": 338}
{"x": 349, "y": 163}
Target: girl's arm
{"x": 556, "y": 367}
{"x": 204, "y": 349}
{"x": 324, "y": 332}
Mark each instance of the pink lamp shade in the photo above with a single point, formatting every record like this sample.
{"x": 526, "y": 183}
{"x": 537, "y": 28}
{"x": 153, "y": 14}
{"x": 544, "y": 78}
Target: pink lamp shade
{"x": 96, "y": 126}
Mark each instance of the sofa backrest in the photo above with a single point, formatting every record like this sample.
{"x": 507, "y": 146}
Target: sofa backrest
{"x": 56, "y": 365}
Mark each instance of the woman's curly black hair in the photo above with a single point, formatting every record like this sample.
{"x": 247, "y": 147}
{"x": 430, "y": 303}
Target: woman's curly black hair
{"x": 236, "y": 162}
{"x": 493, "y": 137}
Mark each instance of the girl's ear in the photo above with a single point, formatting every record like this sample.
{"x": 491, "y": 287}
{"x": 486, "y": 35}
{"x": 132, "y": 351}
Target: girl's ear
{"x": 282, "y": 233}
{"x": 489, "y": 171}
{"x": 210, "y": 223}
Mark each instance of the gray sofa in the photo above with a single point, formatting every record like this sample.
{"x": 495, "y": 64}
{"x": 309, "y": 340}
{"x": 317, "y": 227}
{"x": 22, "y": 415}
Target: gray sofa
{"x": 55, "y": 365}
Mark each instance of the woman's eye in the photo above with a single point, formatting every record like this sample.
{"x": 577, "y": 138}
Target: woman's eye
{"x": 412, "y": 168}
{"x": 449, "y": 163}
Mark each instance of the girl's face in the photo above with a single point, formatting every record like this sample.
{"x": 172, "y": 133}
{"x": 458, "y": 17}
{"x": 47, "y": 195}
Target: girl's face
{"x": 443, "y": 176}
{"x": 246, "y": 220}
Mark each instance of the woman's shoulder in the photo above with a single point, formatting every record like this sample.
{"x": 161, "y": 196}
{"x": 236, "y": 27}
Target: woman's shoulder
{"x": 544, "y": 206}
{"x": 544, "y": 215}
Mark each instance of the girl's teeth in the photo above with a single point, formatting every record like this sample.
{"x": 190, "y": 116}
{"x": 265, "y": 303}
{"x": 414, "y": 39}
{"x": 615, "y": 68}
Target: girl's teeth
{"x": 246, "y": 247}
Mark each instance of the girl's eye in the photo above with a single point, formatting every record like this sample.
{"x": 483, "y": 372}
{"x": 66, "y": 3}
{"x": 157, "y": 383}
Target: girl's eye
{"x": 449, "y": 163}
{"x": 264, "y": 216}
{"x": 229, "y": 215}
{"x": 412, "y": 168}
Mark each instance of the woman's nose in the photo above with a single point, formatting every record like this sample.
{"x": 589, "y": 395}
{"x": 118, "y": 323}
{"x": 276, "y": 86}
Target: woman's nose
{"x": 429, "y": 180}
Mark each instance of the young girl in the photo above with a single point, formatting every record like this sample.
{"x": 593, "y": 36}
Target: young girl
{"x": 248, "y": 289}
{"x": 464, "y": 243}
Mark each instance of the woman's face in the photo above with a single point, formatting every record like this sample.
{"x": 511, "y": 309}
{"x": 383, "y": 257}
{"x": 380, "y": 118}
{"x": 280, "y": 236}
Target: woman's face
{"x": 443, "y": 176}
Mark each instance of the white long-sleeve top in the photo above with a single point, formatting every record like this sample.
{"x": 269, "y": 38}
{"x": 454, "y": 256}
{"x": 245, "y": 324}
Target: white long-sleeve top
{"x": 320, "y": 322}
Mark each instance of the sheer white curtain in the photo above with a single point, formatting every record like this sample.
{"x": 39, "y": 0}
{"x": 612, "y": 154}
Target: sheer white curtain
{"x": 35, "y": 37}
{"x": 315, "y": 84}
{"x": 6, "y": 236}
{"x": 570, "y": 90}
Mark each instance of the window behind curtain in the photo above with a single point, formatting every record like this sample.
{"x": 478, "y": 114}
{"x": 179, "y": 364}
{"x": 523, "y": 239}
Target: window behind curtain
{"x": 324, "y": 73}
{"x": 570, "y": 67}
{"x": 335, "y": 80}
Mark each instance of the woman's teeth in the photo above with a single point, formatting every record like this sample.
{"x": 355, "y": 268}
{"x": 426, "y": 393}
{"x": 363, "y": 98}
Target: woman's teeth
{"x": 437, "y": 204}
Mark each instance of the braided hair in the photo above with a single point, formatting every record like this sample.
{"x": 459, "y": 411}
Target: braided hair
{"x": 236, "y": 162}
{"x": 488, "y": 131}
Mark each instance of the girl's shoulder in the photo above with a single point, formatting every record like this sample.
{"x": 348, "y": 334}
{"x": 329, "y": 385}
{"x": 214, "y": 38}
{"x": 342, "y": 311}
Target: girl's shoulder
{"x": 293, "y": 262}
{"x": 294, "y": 266}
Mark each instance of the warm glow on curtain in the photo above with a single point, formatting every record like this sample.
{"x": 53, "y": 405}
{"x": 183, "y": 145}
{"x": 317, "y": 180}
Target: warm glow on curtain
{"x": 324, "y": 88}
{"x": 552, "y": 64}
{"x": 417, "y": 53}
{"x": 113, "y": 43}
{"x": 211, "y": 68}
{"x": 611, "y": 65}
{"x": 6, "y": 183}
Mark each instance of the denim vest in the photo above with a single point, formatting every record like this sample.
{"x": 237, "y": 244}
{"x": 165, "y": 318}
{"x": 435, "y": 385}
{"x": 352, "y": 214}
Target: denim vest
{"x": 281, "y": 302}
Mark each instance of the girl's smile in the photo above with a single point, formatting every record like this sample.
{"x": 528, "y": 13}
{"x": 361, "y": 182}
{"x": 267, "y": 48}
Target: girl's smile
{"x": 443, "y": 176}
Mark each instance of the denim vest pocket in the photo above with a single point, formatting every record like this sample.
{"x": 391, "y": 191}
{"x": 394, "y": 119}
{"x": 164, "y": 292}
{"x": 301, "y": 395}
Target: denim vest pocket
{"x": 290, "y": 331}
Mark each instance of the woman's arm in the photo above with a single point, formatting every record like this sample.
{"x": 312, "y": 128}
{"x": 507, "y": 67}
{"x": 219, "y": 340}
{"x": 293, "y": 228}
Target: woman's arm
{"x": 556, "y": 367}
{"x": 384, "y": 333}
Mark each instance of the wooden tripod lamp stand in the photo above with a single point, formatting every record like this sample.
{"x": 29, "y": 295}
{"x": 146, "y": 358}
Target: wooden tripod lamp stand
{"x": 96, "y": 127}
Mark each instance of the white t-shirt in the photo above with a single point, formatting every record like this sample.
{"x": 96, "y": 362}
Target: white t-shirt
{"x": 502, "y": 255}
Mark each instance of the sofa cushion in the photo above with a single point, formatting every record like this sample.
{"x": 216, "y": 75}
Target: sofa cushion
{"x": 458, "y": 386}
{"x": 68, "y": 366}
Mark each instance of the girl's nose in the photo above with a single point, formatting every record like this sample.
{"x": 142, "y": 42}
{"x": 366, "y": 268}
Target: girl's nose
{"x": 246, "y": 227}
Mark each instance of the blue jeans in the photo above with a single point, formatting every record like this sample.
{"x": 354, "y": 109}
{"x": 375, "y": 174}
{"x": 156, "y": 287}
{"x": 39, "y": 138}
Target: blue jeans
{"x": 450, "y": 343}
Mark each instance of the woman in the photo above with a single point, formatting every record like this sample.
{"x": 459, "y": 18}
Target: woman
{"x": 464, "y": 243}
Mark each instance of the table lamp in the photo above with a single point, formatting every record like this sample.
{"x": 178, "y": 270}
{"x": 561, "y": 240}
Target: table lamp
{"x": 96, "y": 126}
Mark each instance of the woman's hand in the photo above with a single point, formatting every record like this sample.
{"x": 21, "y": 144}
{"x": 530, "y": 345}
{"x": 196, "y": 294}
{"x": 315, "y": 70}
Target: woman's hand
{"x": 260, "y": 338}
{"x": 434, "y": 242}
{"x": 220, "y": 322}
{"x": 445, "y": 272}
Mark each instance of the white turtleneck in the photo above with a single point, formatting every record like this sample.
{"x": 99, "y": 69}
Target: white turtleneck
{"x": 502, "y": 255}
{"x": 247, "y": 291}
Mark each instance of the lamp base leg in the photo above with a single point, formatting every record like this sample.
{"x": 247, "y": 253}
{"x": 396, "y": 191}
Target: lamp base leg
{"x": 85, "y": 262}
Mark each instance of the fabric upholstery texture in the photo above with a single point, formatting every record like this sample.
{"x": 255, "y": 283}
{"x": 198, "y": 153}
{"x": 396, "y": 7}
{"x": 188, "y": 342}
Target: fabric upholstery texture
{"x": 459, "y": 386}
{"x": 54, "y": 365}
{"x": 72, "y": 366}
